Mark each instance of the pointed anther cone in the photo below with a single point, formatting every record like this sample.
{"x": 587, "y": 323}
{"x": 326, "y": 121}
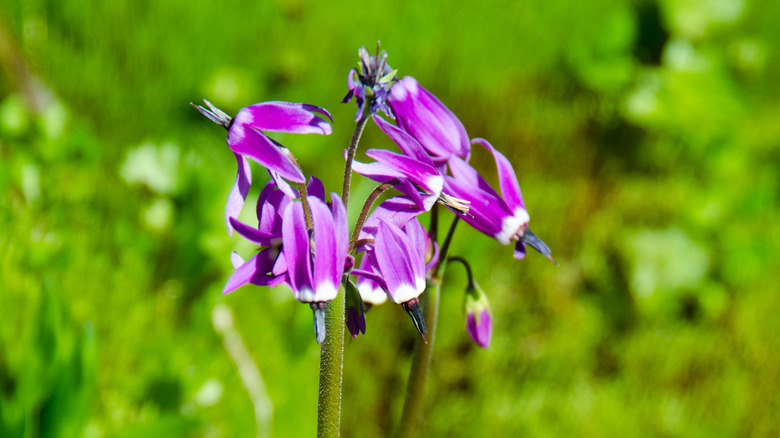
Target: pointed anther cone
{"x": 414, "y": 310}
{"x": 538, "y": 244}
{"x": 319, "y": 320}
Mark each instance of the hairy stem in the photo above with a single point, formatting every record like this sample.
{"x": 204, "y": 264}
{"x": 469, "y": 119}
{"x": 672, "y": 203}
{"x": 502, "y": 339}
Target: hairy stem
{"x": 331, "y": 363}
{"x": 332, "y": 350}
{"x": 366, "y": 209}
{"x": 305, "y": 202}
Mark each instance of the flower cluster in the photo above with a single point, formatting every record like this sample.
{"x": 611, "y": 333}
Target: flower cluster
{"x": 304, "y": 239}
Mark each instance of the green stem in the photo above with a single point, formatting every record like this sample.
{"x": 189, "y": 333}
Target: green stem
{"x": 332, "y": 351}
{"x": 366, "y": 210}
{"x": 351, "y": 153}
{"x": 331, "y": 363}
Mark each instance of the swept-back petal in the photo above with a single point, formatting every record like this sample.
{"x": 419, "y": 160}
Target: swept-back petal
{"x": 486, "y": 210}
{"x": 422, "y": 115}
{"x": 252, "y": 234}
{"x": 392, "y": 248}
{"x": 239, "y": 191}
{"x": 297, "y": 252}
{"x": 424, "y": 175}
{"x": 464, "y": 173}
{"x": 397, "y": 210}
{"x": 255, "y": 270}
{"x": 507, "y": 179}
{"x": 270, "y": 215}
{"x": 315, "y": 188}
{"x": 297, "y": 118}
{"x": 340, "y": 226}
{"x": 246, "y": 140}
{"x": 327, "y": 267}
{"x": 406, "y": 142}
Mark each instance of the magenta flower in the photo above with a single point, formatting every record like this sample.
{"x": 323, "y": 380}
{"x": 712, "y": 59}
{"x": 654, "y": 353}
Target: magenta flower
{"x": 247, "y": 140}
{"x": 425, "y": 118}
{"x": 398, "y": 211}
{"x": 265, "y": 268}
{"x": 502, "y": 217}
{"x": 315, "y": 262}
{"x": 397, "y": 261}
{"x": 413, "y": 173}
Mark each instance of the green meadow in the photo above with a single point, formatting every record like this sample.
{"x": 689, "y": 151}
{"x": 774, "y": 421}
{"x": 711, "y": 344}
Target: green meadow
{"x": 645, "y": 136}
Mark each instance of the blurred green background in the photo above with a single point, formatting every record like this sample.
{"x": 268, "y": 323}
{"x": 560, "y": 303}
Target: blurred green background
{"x": 645, "y": 135}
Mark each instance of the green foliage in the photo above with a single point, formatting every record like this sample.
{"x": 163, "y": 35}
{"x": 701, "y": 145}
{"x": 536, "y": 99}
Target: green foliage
{"x": 645, "y": 136}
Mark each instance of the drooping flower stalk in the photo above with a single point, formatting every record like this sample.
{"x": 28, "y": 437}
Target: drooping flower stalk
{"x": 381, "y": 188}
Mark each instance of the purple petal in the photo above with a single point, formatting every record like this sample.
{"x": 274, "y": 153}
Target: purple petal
{"x": 315, "y": 188}
{"x": 376, "y": 171}
{"x": 422, "y": 115}
{"x": 486, "y": 212}
{"x": 270, "y": 216}
{"x": 424, "y": 175}
{"x": 398, "y": 263}
{"x": 370, "y": 290}
{"x": 398, "y": 211}
{"x": 297, "y": 252}
{"x": 296, "y": 118}
{"x": 372, "y": 276}
{"x": 406, "y": 142}
{"x": 252, "y": 234}
{"x": 268, "y": 188}
{"x": 469, "y": 176}
{"x": 417, "y": 237}
{"x": 236, "y": 260}
{"x": 245, "y": 140}
{"x": 519, "y": 250}
{"x": 340, "y": 228}
{"x": 328, "y": 265}
{"x": 507, "y": 179}
{"x": 255, "y": 271}
{"x": 283, "y": 186}
{"x": 239, "y": 191}
{"x": 356, "y": 322}
{"x": 480, "y": 329}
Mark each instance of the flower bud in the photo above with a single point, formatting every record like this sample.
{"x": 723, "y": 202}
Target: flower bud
{"x": 478, "y": 321}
